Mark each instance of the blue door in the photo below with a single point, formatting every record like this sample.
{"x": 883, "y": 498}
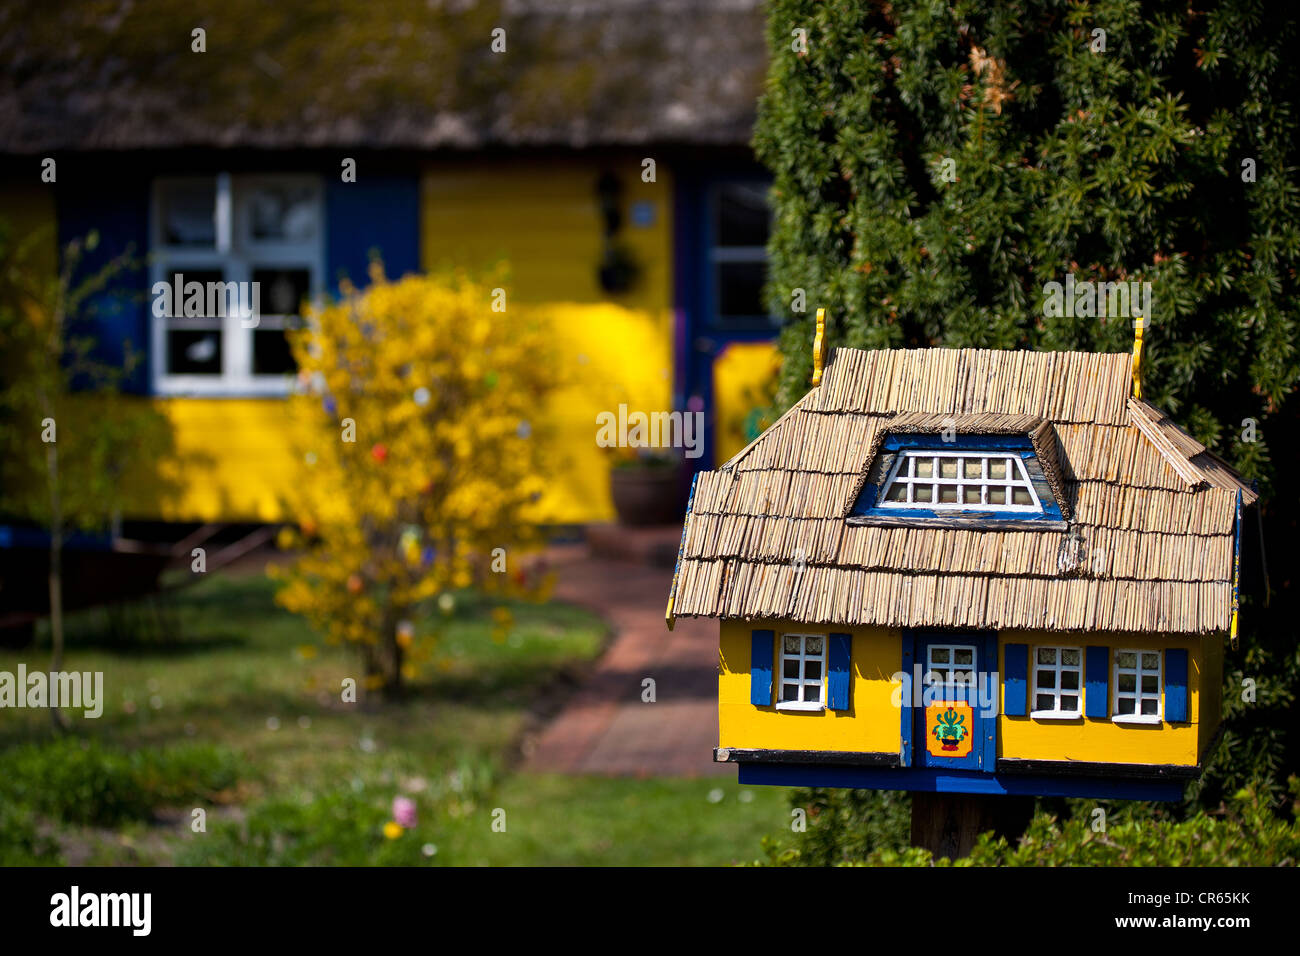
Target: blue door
{"x": 721, "y": 225}
{"x": 955, "y": 721}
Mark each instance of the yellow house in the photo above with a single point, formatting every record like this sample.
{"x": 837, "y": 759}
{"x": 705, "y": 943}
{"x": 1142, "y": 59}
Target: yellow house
{"x": 604, "y": 162}
{"x": 968, "y": 571}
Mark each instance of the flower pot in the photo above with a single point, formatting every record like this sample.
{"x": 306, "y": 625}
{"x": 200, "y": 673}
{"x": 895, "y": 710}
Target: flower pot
{"x": 647, "y": 495}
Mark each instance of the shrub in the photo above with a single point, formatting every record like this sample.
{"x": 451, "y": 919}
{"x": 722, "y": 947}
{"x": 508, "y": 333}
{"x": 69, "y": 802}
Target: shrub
{"x": 82, "y": 782}
{"x": 422, "y": 405}
{"x": 1246, "y": 832}
{"x": 21, "y": 843}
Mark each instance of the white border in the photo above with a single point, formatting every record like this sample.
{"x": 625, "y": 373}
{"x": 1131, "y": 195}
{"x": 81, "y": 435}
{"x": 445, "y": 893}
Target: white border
{"x": 237, "y": 255}
{"x": 911, "y": 481}
{"x": 1058, "y": 668}
{"x": 1137, "y": 694}
{"x": 802, "y": 657}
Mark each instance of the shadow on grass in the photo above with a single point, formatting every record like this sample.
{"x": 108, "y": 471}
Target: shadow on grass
{"x": 158, "y": 647}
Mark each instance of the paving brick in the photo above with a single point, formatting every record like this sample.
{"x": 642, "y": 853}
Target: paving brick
{"x": 606, "y": 729}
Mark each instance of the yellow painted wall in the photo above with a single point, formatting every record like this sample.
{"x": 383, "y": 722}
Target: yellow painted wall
{"x": 1098, "y": 739}
{"x": 234, "y": 460}
{"x": 744, "y": 378}
{"x": 871, "y": 724}
{"x": 543, "y": 219}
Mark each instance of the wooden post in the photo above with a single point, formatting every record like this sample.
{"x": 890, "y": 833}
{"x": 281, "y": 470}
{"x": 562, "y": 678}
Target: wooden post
{"x": 948, "y": 824}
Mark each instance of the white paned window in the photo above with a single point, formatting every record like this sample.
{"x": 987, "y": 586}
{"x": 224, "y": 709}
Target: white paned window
{"x": 1058, "y": 682}
{"x": 803, "y": 672}
{"x": 956, "y": 480}
{"x": 1137, "y": 687}
{"x": 951, "y": 666}
{"x": 245, "y": 240}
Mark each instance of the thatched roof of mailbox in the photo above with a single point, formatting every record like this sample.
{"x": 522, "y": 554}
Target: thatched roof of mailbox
{"x": 405, "y": 74}
{"x": 766, "y": 534}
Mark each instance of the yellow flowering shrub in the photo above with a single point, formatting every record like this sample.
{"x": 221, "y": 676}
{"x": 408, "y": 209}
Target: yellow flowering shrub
{"x": 421, "y": 403}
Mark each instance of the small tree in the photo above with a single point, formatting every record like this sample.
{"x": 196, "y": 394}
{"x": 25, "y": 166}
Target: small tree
{"x": 68, "y": 436}
{"x": 422, "y": 400}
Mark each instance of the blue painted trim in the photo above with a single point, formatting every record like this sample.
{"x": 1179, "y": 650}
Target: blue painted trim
{"x": 838, "y": 671}
{"x": 1236, "y": 567}
{"x": 760, "y": 667}
{"x": 975, "y": 760}
{"x": 936, "y": 780}
{"x": 1015, "y": 679}
{"x": 918, "y": 441}
{"x": 118, "y": 313}
{"x": 908, "y": 640}
{"x": 990, "y": 724}
{"x": 867, "y": 498}
{"x": 1096, "y": 689}
{"x": 379, "y": 213}
{"x": 1176, "y": 685}
{"x": 38, "y": 539}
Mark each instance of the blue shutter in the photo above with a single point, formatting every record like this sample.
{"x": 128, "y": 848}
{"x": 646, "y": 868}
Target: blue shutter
{"x": 1176, "y": 685}
{"x": 838, "y": 675}
{"x": 760, "y": 667}
{"x": 1096, "y": 702}
{"x": 1015, "y": 683}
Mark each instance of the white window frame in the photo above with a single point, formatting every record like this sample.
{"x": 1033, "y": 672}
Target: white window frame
{"x": 1137, "y": 717}
{"x": 237, "y": 255}
{"x": 951, "y": 668}
{"x": 1057, "y": 668}
{"x": 903, "y": 472}
{"x": 720, "y": 254}
{"x": 803, "y": 657}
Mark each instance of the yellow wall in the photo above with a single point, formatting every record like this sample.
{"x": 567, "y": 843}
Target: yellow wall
{"x": 543, "y": 219}
{"x": 871, "y": 724}
{"x": 744, "y": 378}
{"x": 1210, "y": 711}
{"x": 234, "y": 460}
{"x": 1098, "y": 739}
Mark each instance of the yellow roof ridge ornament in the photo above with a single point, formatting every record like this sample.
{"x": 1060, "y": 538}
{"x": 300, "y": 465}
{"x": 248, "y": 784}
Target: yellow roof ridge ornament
{"x": 819, "y": 348}
{"x": 1139, "y": 324}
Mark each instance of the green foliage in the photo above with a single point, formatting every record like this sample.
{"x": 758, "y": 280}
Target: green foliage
{"x": 1122, "y": 165}
{"x": 108, "y": 444}
{"x": 842, "y": 826}
{"x": 81, "y": 782}
{"x": 341, "y": 826}
{"x": 1245, "y": 832}
{"x": 21, "y": 841}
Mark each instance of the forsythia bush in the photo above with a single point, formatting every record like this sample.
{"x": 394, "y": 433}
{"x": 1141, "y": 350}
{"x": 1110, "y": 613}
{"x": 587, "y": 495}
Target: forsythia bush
{"x": 421, "y": 403}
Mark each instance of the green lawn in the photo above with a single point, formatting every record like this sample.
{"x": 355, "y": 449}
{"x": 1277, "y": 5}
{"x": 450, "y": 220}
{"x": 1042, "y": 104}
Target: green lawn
{"x": 218, "y": 703}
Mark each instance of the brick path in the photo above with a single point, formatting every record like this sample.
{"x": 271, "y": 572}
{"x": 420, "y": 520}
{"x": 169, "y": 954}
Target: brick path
{"x": 606, "y": 729}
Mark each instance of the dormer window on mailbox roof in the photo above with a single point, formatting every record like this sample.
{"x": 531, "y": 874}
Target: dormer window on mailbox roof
{"x": 929, "y": 472}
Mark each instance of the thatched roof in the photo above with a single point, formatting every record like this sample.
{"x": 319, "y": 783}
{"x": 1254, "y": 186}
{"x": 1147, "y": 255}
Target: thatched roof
{"x": 416, "y": 74}
{"x": 1150, "y": 541}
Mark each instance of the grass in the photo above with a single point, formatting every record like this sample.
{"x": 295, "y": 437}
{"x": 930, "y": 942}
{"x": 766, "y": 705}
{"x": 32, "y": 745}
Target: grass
{"x": 223, "y": 703}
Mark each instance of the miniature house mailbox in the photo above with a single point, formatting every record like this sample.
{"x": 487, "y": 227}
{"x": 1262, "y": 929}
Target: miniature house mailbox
{"x": 968, "y": 571}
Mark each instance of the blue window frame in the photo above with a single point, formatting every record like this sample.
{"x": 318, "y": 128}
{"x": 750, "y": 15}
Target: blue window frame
{"x": 993, "y": 481}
